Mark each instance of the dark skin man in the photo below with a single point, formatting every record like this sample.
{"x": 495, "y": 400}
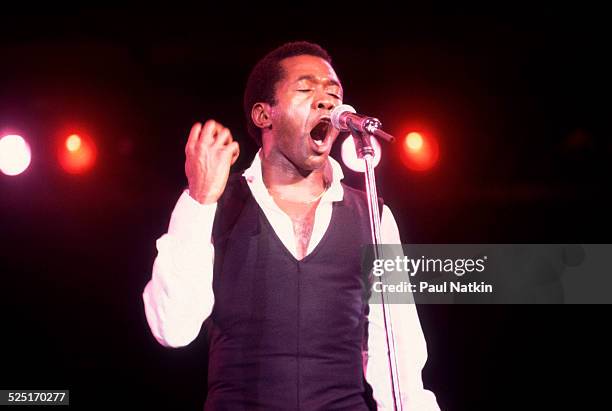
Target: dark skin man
{"x": 296, "y": 140}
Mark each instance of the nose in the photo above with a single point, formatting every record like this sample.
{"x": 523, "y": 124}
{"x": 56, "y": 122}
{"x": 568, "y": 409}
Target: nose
{"x": 325, "y": 102}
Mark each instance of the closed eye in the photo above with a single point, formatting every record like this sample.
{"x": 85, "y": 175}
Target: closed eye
{"x": 307, "y": 90}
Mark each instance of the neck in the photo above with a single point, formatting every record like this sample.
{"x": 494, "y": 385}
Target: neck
{"x": 281, "y": 176}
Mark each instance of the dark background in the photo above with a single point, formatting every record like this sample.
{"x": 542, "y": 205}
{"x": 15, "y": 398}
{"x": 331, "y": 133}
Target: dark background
{"x": 517, "y": 98}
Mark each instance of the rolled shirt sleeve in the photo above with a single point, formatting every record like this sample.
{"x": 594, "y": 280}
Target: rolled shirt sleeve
{"x": 179, "y": 296}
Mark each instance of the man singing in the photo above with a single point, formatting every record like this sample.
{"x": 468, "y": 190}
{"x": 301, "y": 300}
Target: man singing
{"x": 271, "y": 259}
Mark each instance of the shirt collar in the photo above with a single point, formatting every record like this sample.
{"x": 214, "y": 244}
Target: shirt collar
{"x": 335, "y": 192}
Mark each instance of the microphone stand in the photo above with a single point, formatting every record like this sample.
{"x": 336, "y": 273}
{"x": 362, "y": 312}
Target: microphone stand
{"x": 365, "y": 151}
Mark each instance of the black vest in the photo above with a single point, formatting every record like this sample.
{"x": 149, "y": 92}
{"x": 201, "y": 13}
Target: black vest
{"x": 287, "y": 334}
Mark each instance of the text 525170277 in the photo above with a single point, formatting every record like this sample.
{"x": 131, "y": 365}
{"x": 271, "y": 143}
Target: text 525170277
{"x": 34, "y": 397}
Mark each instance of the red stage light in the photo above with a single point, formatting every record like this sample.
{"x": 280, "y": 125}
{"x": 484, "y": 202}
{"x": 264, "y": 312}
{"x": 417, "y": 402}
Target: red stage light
{"x": 77, "y": 155}
{"x": 414, "y": 141}
{"x": 15, "y": 155}
{"x": 420, "y": 152}
{"x": 73, "y": 143}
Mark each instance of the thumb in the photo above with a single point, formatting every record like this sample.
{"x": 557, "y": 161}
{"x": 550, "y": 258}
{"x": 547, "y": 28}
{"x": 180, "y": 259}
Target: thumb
{"x": 233, "y": 150}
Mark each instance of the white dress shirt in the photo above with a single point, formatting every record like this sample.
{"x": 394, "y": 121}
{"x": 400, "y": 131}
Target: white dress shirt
{"x": 179, "y": 296}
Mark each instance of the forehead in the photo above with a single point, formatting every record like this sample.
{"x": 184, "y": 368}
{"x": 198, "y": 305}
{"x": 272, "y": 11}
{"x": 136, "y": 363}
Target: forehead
{"x": 300, "y": 66}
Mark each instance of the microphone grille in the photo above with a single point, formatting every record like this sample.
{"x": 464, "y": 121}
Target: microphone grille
{"x": 337, "y": 112}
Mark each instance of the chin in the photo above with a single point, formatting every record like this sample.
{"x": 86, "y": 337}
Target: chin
{"x": 314, "y": 162}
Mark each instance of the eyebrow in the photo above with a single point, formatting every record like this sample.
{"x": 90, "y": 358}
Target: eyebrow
{"x": 310, "y": 77}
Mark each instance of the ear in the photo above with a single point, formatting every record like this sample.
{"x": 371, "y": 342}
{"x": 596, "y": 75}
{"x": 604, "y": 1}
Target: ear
{"x": 260, "y": 114}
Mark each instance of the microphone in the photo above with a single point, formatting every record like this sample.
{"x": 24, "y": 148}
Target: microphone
{"x": 345, "y": 118}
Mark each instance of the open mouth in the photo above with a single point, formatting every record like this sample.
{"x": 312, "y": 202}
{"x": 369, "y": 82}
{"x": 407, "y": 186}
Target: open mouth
{"x": 320, "y": 131}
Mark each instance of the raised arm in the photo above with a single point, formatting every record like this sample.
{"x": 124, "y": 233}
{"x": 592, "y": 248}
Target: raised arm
{"x": 179, "y": 296}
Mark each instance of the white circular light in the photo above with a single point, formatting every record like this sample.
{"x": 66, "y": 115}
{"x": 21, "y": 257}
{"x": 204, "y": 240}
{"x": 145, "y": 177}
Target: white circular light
{"x": 15, "y": 155}
{"x": 349, "y": 154}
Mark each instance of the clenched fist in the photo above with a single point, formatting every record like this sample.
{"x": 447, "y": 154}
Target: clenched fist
{"x": 210, "y": 151}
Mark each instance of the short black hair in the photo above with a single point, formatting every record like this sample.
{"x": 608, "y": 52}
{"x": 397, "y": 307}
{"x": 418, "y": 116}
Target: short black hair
{"x": 267, "y": 72}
